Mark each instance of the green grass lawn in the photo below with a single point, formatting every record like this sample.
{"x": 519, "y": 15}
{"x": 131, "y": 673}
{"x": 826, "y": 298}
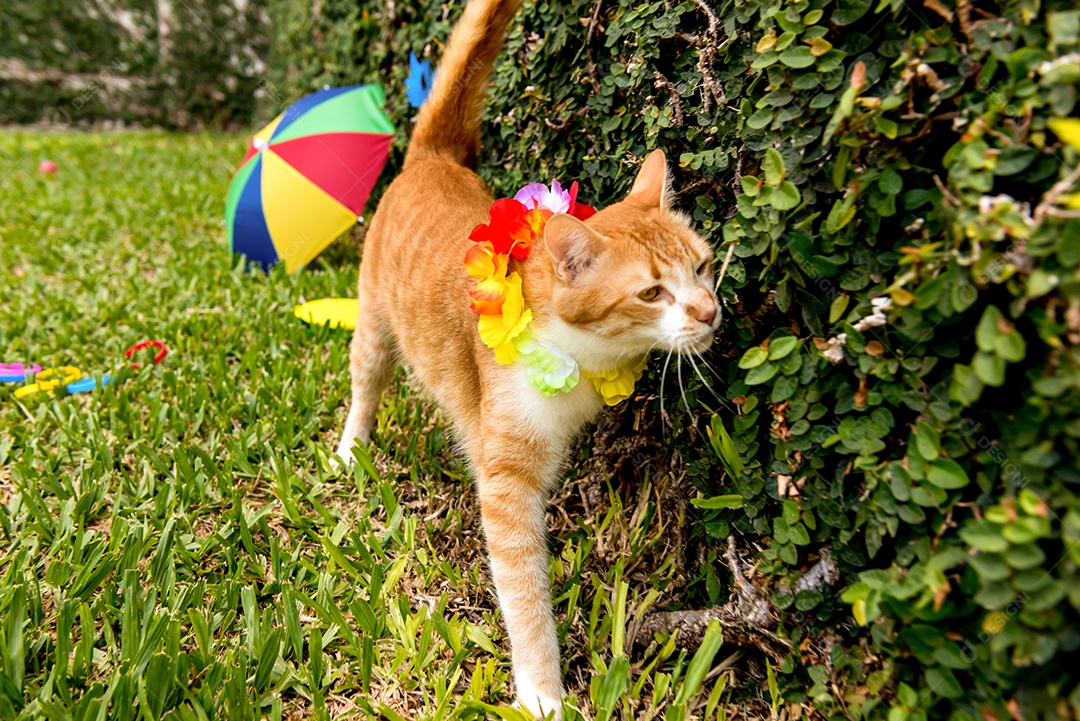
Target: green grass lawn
{"x": 175, "y": 545}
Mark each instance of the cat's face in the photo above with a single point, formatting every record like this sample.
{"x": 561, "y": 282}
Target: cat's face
{"x": 635, "y": 276}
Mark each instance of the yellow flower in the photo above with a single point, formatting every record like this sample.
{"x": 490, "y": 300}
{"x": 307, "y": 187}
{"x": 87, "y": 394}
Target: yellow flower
{"x": 617, "y": 384}
{"x": 499, "y": 331}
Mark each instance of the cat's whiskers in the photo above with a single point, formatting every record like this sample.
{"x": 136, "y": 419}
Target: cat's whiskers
{"x": 708, "y": 366}
{"x": 663, "y": 377}
{"x": 704, "y": 382}
{"x": 678, "y": 368}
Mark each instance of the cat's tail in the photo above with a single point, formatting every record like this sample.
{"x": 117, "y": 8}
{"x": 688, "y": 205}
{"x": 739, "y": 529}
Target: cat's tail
{"x": 449, "y": 122}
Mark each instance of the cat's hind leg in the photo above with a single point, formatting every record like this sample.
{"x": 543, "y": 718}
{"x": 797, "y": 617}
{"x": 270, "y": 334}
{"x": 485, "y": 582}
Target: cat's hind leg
{"x": 371, "y": 366}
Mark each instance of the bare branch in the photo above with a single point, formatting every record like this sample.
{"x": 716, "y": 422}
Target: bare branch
{"x": 1065, "y": 185}
{"x": 822, "y": 573}
{"x": 676, "y": 101}
{"x": 747, "y": 618}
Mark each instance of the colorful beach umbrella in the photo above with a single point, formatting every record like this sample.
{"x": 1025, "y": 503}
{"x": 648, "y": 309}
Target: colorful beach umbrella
{"x": 307, "y": 175}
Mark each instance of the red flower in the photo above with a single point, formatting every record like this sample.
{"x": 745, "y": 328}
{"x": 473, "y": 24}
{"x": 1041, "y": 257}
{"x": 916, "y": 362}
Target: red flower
{"x": 579, "y": 210}
{"x": 507, "y": 229}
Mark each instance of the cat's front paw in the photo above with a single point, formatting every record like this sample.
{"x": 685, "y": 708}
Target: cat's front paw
{"x": 343, "y": 456}
{"x": 539, "y": 704}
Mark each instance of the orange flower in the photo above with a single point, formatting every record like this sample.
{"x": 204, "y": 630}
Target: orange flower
{"x": 534, "y": 222}
{"x": 489, "y": 294}
{"x": 481, "y": 261}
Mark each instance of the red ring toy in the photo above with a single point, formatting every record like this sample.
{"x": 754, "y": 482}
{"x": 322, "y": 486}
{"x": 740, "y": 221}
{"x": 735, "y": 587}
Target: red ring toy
{"x": 147, "y": 344}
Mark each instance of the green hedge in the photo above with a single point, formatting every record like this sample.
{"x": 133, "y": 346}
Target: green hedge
{"x": 83, "y": 62}
{"x": 845, "y": 151}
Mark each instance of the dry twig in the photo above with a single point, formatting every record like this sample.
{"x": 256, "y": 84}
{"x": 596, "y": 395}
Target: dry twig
{"x": 676, "y": 102}
{"x": 706, "y": 54}
{"x": 949, "y": 197}
{"x": 1046, "y": 206}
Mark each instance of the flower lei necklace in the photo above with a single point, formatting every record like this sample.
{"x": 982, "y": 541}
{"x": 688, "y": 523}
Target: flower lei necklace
{"x": 513, "y": 225}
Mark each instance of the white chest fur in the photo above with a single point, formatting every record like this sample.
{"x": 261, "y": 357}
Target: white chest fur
{"x": 555, "y": 419}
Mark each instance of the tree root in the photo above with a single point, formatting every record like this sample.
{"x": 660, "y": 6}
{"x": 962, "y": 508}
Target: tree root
{"x": 747, "y": 618}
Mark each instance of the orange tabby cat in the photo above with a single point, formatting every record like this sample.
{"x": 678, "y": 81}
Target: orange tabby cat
{"x": 604, "y": 291}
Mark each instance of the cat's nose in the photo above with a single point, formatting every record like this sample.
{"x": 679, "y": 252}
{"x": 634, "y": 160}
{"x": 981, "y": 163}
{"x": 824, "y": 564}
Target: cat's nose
{"x": 706, "y": 315}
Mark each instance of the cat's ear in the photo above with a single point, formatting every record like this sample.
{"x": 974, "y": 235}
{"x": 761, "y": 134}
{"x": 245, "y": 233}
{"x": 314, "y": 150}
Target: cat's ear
{"x": 572, "y": 245}
{"x": 652, "y": 187}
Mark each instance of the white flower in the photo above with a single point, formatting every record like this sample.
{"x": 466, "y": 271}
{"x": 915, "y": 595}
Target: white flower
{"x": 835, "y": 352}
{"x": 877, "y": 317}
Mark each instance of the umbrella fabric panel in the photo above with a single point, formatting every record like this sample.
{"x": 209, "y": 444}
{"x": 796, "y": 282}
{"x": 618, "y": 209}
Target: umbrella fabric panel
{"x": 359, "y": 110}
{"x": 262, "y": 138}
{"x": 298, "y": 109}
{"x": 301, "y": 218}
{"x": 250, "y": 235}
{"x": 236, "y": 189}
{"x": 345, "y": 165}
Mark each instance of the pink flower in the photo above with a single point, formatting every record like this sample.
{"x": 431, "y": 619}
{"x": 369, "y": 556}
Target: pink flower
{"x": 538, "y": 195}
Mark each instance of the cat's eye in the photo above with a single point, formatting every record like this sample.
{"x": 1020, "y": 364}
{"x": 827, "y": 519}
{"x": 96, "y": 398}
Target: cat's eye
{"x": 704, "y": 267}
{"x": 650, "y": 294}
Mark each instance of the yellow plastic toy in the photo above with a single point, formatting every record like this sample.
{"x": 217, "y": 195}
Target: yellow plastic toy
{"x": 69, "y": 373}
{"x": 334, "y": 312}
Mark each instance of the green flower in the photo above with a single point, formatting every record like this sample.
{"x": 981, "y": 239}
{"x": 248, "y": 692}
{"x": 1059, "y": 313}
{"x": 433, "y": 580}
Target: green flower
{"x": 550, "y": 370}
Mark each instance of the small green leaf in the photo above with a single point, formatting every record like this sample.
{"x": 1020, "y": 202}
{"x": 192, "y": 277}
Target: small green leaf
{"x": 838, "y": 307}
{"x": 799, "y": 535}
{"x": 783, "y": 346}
{"x": 842, "y": 212}
{"x": 1010, "y": 346}
{"x": 1025, "y": 556}
{"x": 774, "y": 167}
{"x": 966, "y": 386}
{"x": 1051, "y": 386}
{"x": 786, "y": 196}
{"x": 749, "y": 185}
{"x": 989, "y": 368}
{"x": 760, "y": 119}
{"x": 990, "y": 567}
{"x": 753, "y": 358}
{"x": 927, "y": 441}
{"x": 761, "y": 374}
{"x": 849, "y": 11}
{"x": 887, "y": 127}
{"x": 797, "y": 57}
{"x": 947, "y": 474}
{"x": 995, "y": 595}
{"x": 890, "y": 182}
{"x": 731, "y": 500}
{"x": 1015, "y": 160}
{"x": 984, "y": 536}
{"x": 943, "y": 682}
{"x": 1041, "y": 282}
{"x": 987, "y": 332}
{"x": 785, "y": 40}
